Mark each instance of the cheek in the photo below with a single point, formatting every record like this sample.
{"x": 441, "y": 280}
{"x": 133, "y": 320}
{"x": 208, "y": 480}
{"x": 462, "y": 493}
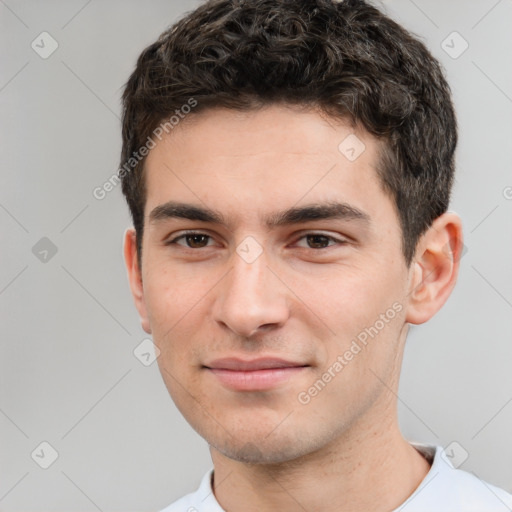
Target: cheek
{"x": 178, "y": 306}
{"x": 171, "y": 296}
{"x": 350, "y": 379}
{"x": 348, "y": 299}
{"x": 364, "y": 314}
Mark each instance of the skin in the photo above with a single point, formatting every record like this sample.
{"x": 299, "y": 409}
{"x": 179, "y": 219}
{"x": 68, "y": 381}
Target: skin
{"x": 303, "y": 299}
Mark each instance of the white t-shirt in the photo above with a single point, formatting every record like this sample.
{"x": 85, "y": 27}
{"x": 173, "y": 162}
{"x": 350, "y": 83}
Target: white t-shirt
{"x": 444, "y": 489}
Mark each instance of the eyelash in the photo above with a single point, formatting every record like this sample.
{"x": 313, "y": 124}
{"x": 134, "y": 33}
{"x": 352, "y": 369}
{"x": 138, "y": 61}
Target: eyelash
{"x": 174, "y": 241}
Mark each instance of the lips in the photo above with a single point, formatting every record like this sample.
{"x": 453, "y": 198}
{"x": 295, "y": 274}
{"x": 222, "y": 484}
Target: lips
{"x": 254, "y": 375}
{"x": 236, "y": 364}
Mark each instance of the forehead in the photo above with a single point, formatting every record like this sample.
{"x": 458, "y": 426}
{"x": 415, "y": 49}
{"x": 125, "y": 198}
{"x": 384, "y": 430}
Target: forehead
{"x": 279, "y": 128}
{"x": 251, "y": 163}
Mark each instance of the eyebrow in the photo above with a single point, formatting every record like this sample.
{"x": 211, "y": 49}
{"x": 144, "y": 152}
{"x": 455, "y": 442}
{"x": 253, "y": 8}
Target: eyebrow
{"x": 296, "y": 215}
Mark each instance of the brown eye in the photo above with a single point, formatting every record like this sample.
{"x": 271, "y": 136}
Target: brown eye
{"x": 197, "y": 241}
{"x": 318, "y": 241}
{"x": 191, "y": 240}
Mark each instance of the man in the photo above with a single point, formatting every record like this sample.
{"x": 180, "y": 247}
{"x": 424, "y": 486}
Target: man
{"x": 288, "y": 167}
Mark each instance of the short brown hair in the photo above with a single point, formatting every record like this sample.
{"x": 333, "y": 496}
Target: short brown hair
{"x": 345, "y": 57}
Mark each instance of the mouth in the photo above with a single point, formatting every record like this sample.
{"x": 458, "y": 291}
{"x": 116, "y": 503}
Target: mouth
{"x": 254, "y": 375}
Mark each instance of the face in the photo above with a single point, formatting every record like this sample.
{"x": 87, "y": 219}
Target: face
{"x": 272, "y": 279}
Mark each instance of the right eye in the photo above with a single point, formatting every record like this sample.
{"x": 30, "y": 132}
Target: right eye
{"x": 192, "y": 240}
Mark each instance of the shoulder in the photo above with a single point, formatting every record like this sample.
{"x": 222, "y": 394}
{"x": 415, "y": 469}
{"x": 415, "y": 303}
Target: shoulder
{"x": 447, "y": 489}
{"x": 201, "y": 500}
{"x": 185, "y": 504}
{"x": 463, "y": 488}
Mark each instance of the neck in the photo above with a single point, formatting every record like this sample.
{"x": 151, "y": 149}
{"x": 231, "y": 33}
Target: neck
{"x": 369, "y": 468}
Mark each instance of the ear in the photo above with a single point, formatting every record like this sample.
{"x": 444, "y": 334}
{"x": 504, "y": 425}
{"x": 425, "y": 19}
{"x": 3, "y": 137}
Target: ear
{"x": 135, "y": 277}
{"x": 435, "y": 268}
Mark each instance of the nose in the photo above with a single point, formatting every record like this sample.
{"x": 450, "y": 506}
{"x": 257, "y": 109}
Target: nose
{"x": 251, "y": 298}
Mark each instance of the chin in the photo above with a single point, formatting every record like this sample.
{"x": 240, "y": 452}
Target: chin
{"x": 255, "y": 449}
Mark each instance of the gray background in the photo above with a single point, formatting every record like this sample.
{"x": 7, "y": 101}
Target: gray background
{"x": 68, "y": 372}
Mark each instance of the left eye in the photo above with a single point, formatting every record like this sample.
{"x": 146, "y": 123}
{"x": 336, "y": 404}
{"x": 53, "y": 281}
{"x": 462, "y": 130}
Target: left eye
{"x": 319, "y": 241}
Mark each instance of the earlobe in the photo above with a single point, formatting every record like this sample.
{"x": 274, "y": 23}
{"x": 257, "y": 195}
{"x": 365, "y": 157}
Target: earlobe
{"x": 135, "y": 277}
{"x": 435, "y": 268}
